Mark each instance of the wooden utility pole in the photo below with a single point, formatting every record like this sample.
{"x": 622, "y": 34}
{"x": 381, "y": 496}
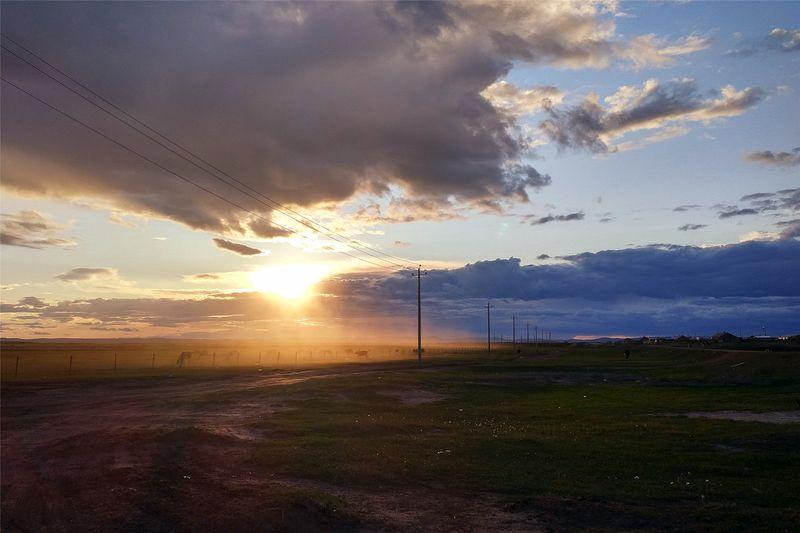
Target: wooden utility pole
{"x": 527, "y": 332}
{"x": 419, "y": 314}
{"x": 513, "y": 331}
{"x": 419, "y": 275}
{"x": 488, "y": 327}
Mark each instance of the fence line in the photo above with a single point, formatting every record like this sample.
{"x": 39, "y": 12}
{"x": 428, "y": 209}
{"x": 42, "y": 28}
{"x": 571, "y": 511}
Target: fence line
{"x": 45, "y": 362}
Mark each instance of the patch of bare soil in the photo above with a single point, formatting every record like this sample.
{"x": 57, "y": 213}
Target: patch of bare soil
{"x": 413, "y": 396}
{"x": 774, "y": 417}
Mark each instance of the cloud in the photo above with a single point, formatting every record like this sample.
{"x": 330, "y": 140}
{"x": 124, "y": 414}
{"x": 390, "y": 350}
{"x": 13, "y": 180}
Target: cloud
{"x": 650, "y": 50}
{"x": 29, "y": 304}
{"x": 779, "y": 203}
{"x": 775, "y": 159}
{"x": 756, "y": 196}
{"x": 655, "y": 105}
{"x": 665, "y": 290}
{"x": 779, "y": 39}
{"x": 402, "y": 244}
{"x": 687, "y": 207}
{"x": 87, "y": 274}
{"x": 533, "y": 221}
{"x": 200, "y": 277}
{"x": 517, "y": 102}
{"x": 308, "y": 103}
{"x": 237, "y": 248}
{"x": 30, "y": 229}
{"x": 791, "y": 229}
{"x": 692, "y": 227}
{"x": 737, "y": 213}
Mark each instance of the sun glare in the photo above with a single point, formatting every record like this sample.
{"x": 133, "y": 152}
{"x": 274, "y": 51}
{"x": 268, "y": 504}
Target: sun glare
{"x": 291, "y": 281}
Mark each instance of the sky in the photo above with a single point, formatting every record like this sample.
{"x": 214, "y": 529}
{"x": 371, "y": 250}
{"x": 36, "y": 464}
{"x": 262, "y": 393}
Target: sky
{"x": 592, "y": 168}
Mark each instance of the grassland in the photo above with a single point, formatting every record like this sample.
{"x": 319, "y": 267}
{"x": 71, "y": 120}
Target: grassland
{"x": 554, "y": 438}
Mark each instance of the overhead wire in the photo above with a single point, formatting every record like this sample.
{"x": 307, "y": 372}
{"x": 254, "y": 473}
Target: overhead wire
{"x": 270, "y": 203}
{"x": 162, "y": 167}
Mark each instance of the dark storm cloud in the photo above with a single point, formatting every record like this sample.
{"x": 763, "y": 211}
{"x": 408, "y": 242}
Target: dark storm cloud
{"x": 692, "y": 227}
{"x": 652, "y": 272}
{"x": 87, "y": 273}
{"x": 533, "y": 221}
{"x": 237, "y": 248}
{"x": 775, "y": 159}
{"x": 652, "y": 290}
{"x": 30, "y": 229}
{"x": 592, "y": 126}
{"x": 779, "y": 39}
{"x": 307, "y": 102}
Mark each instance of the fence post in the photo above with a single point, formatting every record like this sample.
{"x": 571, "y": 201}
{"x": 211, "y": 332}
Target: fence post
{"x": 154, "y": 361}
{"x": 16, "y": 368}
{"x": 214, "y": 360}
{"x": 69, "y": 370}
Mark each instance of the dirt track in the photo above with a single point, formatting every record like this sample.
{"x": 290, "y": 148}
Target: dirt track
{"x": 162, "y": 455}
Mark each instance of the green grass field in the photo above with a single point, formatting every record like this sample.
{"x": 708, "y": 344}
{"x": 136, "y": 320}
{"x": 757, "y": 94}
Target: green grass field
{"x": 558, "y": 438}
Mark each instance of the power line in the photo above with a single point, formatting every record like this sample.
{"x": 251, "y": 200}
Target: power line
{"x": 273, "y": 204}
{"x": 357, "y": 246}
{"x": 162, "y": 167}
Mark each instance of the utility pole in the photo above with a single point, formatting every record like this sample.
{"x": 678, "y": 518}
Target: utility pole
{"x": 528, "y": 332}
{"x": 513, "y": 332}
{"x": 488, "y": 327}
{"x": 419, "y": 275}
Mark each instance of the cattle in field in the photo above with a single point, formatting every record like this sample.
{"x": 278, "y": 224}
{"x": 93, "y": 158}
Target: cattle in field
{"x": 185, "y": 357}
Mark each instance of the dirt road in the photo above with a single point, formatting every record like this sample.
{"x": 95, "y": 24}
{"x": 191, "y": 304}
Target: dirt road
{"x": 173, "y": 454}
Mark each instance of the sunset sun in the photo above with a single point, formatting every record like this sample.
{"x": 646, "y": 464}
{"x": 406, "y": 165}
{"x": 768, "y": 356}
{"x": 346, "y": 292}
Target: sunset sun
{"x": 290, "y": 281}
